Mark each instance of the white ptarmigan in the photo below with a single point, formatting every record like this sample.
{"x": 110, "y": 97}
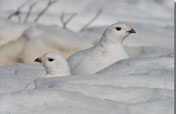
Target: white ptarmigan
{"x": 54, "y": 64}
{"x": 107, "y": 51}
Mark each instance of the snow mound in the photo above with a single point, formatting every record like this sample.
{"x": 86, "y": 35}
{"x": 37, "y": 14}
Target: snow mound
{"x": 25, "y": 89}
{"x": 147, "y": 66}
{"x": 143, "y": 85}
{"x": 57, "y": 101}
{"x": 16, "y": 77}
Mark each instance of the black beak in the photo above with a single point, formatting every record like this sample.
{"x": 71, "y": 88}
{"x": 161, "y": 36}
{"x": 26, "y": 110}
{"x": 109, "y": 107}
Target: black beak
{"x": 38, "y": 60}
{"x": 132, "y": 31}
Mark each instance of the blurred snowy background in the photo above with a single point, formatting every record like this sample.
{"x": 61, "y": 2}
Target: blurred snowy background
{"x": 142, "y": 84}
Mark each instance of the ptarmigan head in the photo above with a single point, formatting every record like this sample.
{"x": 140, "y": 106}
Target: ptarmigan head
{"x": 54, "y": 64}
{"x": 117, "y": 32}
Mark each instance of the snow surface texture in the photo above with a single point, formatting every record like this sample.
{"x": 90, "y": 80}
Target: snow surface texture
{"x": 117, "y": 93}
{"x": 140, "y": 85}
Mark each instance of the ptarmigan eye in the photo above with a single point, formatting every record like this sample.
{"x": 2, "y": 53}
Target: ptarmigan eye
{"x": 50, "y": 59}
{"x": 118, "y": 28}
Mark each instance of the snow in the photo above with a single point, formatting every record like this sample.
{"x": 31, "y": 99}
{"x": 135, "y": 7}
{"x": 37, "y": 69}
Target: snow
{"x": 25, "y": 89}
{"x": 75, "y": 103}
{"x": 114, "y": 90}
{"x": 142, "y": 84}
{"x": 147, "y": 65}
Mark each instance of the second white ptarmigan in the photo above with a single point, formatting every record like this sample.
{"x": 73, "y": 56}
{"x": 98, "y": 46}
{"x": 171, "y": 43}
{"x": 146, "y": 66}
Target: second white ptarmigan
{"x": 54, "y": 64}
{"x": 107, "y": 51}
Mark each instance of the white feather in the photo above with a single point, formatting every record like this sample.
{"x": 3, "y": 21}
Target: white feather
{"x": 107, "y": 51}
{"x": 57, "y": 67}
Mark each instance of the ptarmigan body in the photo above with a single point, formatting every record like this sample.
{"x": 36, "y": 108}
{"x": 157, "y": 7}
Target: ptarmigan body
{"x": 54, "y": 64}
{"x": 107, "y": 51}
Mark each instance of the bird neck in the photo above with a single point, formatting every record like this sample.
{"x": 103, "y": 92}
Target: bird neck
{"x": 60, "y": 71}
{"x": 111, "y": 38}
{"x": 115, "y": 48}
{"x": 107, "y": 43}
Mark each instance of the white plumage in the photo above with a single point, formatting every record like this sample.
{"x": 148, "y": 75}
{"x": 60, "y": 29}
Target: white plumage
{"x": 107, "y": 51}
{"x": 54, "y": 64}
